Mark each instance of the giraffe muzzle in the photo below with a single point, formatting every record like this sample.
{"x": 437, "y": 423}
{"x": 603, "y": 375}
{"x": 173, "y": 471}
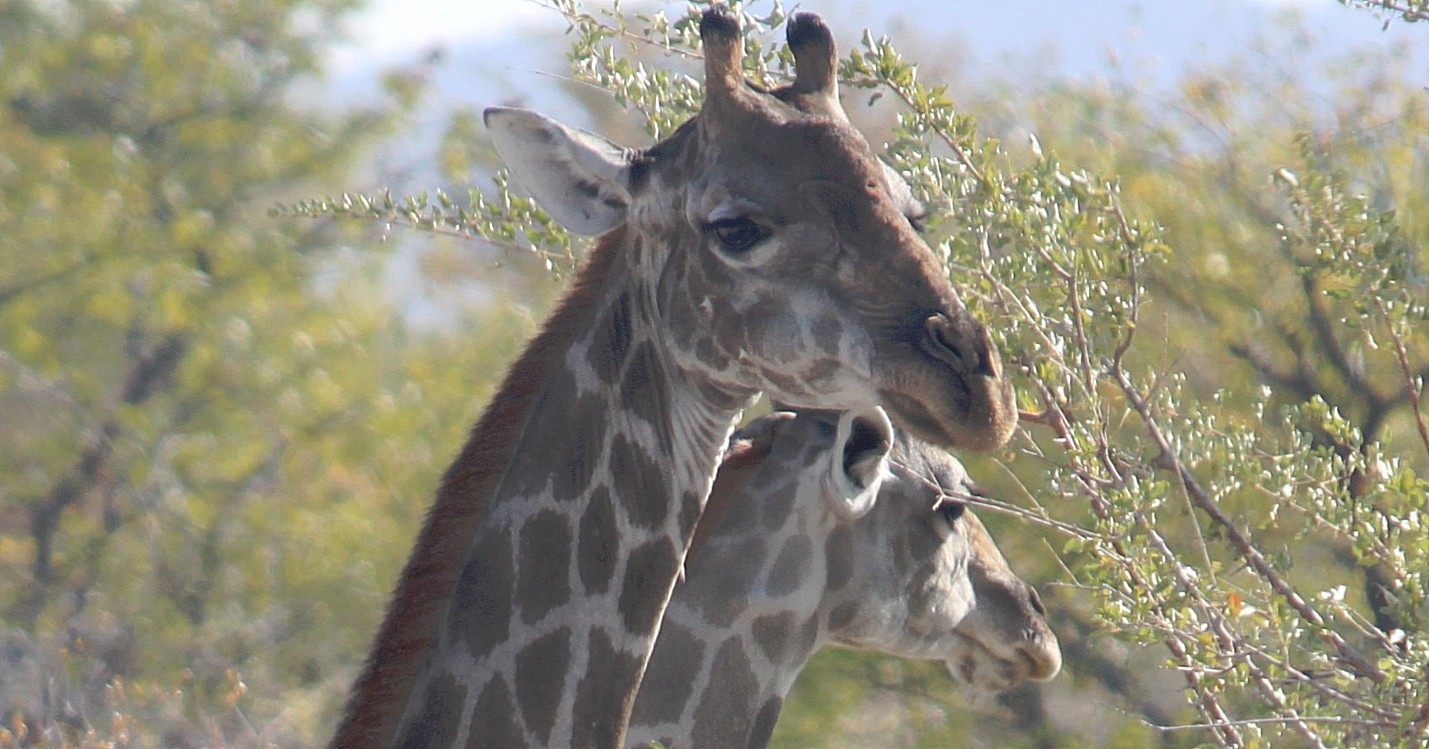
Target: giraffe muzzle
{"x": 965, "y": 348}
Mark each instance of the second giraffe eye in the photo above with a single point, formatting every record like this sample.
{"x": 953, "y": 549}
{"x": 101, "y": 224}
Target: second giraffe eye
{"x": 951, "y": 511}
{"x": 737, "y": 234}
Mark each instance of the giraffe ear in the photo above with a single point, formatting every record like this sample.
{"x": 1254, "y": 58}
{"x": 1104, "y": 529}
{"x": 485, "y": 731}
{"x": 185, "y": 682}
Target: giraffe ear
{"x": 860, "y": 451}
{"x": 580, "y": 178}
{"x": 901, "y": 193}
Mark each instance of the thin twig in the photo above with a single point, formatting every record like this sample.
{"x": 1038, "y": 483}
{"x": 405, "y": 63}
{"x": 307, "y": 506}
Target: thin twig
{"x": 1247, "y": 550}
{"x": 1411, "y": 387}
{"x": 1273, "y": 721}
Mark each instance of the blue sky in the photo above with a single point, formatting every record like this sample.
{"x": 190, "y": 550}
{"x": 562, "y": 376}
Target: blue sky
{"x": 509, "y": 51}
{"x": 512, "y": 51}
{"x": 496, "y": 43}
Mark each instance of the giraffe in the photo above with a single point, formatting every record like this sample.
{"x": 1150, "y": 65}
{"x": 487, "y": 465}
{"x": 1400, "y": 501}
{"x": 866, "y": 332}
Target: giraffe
{"x": 794, "y": 552}
{"x": 760, "y": 247}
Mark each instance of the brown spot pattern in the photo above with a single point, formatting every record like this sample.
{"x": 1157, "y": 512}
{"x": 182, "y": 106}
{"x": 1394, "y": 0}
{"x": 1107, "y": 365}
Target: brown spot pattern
{"x": 540, "y": 680}
{"x": 493, "y": 723}
{"x": 730, "y": 596}
{"x": 482, "y": 600}
{"x": 649, "y": 572}
{"x": 727, "y": 706}
{"x": 600, "y": 702}
{"x": 778, "y": 505}
{"x": 808, "y": 635}
{"x": 691, "y": 508}
{"x": 773, "y": 634}
{"x": 599, "y": 543}
{"x": 543, "y": 579}
{"x": 838, "y": 564}
{"x": 643, "y": 394}
{"x": 763, "y": 728}
{"x": 842, "y": 615}
{"x": 639, "y": 484}
{"x": 673, "y": 666}
{"x": 440, "y": 720}
{"x": 580, "y": 457}
{"x": 611, "y": 342}
{"x": 791, "y": 567}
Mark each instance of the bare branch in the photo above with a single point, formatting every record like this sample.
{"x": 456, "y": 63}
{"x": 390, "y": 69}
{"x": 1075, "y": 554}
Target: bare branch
{"x": 1243, "y": 545}
{"x": 1412, "y": 383}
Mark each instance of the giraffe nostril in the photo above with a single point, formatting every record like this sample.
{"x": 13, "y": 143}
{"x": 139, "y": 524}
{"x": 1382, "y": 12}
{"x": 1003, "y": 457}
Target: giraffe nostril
{"x": 942, "y": 340}
{"x": 1035, "y": 600}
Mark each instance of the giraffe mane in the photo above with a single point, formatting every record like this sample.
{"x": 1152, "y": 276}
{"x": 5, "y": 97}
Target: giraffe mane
{"x": 413, "y": 618}
{"x": 745, "y": 453}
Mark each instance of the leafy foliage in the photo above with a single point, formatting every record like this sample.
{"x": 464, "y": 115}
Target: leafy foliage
{"x": 1194, "y": 511}
{"x": 1408, "y": 11}
{"x": 220, "y": 433}
{"x": 192, "y": 394}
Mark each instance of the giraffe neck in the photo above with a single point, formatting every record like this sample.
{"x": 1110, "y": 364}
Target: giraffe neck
{"x": 529, "y": 606}
{"x": 738, "y": 630}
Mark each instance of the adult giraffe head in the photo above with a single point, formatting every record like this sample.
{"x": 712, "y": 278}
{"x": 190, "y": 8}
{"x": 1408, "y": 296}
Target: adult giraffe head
{"x": 783, "y": 252}
{"x": 761, "y": 247}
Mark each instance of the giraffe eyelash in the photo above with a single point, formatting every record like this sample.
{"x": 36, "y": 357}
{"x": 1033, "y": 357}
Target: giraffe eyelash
{"x": 738, "y": 234}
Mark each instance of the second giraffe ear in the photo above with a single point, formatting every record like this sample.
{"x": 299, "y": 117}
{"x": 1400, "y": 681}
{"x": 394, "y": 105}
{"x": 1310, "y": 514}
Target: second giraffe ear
{"x": 580, "y": 178}
{"x": 860, "y": 460}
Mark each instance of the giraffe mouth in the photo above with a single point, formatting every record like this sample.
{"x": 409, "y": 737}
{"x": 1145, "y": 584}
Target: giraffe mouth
{"x": 978, "y": 414}
{"x": 985, "y": 669}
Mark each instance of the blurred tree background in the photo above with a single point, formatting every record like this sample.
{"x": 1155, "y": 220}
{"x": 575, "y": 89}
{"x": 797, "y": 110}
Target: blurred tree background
{"x": 218, "y": 431}
{"x": 221, "y": 427}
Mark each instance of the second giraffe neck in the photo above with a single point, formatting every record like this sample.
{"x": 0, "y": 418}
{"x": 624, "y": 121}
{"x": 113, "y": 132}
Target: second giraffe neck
{"x": 737, "y": 633}
{"x": 527, "y": 610}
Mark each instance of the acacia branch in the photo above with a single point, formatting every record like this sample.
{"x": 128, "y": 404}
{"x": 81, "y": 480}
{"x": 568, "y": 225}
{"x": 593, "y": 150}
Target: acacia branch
{"x": 1334, "y": 350}
{"x": 147, "y": 373}
{"x": 1412, "y": 383}
{"x": 1410, "y": 11}
{"x": 1300, "y": 380}
{"x": 1243, "y": 545}
{"x": 12, "y": 292}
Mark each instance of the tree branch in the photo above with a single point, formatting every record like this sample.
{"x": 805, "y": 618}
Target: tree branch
{"x": 148, "y": 372}
{"x": 1243, "y": 545}
{"x": 9, "y": 294}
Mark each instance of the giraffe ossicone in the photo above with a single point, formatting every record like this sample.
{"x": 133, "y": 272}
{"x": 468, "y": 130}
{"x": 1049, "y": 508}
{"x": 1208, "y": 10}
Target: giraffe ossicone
{"x": 759, "y": 248}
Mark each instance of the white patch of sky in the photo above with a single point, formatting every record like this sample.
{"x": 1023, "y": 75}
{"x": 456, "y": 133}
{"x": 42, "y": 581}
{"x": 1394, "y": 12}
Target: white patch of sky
{"x": 392, "y": 31}
{"x": 512, "y": 51}
{"x": 1079, "y": 36}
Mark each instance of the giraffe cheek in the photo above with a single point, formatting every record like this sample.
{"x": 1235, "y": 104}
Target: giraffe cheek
{"x": 939, "y": 605}
{"x": 813, "y": 359}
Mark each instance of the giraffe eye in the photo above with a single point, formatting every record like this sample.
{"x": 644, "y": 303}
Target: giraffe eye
{"x": 737, "y": 234}
{"x": 950, "y": 511}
